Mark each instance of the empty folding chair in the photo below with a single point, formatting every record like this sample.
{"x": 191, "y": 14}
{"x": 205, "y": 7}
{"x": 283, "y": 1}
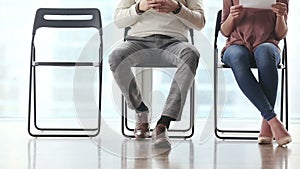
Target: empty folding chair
{"x": 72, "y": 19}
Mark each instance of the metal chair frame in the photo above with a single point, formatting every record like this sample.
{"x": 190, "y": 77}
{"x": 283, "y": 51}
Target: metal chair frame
{"x": 221, "y": 133}
{"x": 190, "y": 129}
{"x": 39, "y": 22}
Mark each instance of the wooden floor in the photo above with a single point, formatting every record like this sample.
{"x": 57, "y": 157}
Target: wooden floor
{"x": 20, "y": 151}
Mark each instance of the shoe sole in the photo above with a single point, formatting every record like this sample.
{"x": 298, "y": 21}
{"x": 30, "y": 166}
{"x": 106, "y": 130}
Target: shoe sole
{"x": 264, "y": 140}
{"x": 162, "y": 143}
{"x": 285, "y": 140}
{"x": 141, "y": 137}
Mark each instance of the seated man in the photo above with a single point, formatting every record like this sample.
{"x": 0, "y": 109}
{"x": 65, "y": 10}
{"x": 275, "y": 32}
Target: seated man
{"x": 159, "y": 30}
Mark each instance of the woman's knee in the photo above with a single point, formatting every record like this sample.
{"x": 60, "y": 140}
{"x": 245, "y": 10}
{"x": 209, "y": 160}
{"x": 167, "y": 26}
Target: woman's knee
{"x": 267, "y": 49}
{"x": 236, "y": 55}
{"x": 267, "y": 53}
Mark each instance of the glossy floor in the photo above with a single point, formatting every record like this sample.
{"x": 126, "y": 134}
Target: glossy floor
{"x": 20, "y": 151}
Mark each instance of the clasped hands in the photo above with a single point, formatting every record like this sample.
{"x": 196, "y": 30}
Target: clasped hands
{"x": 163, "y": 6}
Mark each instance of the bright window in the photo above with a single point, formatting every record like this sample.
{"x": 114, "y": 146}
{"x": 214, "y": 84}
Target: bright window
{"x": 15, "y": 33}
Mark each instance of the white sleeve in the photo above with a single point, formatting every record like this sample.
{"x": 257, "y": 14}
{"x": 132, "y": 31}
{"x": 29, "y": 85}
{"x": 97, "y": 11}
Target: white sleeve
{"x": 192, "y": 15}
{"x": 125, "y": 14}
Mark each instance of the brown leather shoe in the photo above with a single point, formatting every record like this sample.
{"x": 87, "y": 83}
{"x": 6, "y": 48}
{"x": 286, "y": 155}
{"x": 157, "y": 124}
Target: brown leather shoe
{"x": 142, "y": 127}
{"x": 160, "y": 137}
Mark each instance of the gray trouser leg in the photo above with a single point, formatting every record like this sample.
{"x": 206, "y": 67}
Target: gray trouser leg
{"x": 187, "y": 63}
{"x": 179, "y": 53}
{"x": 121, "y": 60}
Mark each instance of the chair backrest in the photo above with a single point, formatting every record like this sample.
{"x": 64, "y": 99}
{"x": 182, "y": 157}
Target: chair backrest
{"x": 67, "y": 18}
{"x": 157, "y": 62}
{"x": 217, "y": 28}
{"x": 283, "y": 63}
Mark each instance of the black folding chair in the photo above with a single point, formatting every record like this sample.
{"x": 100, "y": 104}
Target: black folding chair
{"x": 63, "y": 18}
{"x": 236, "y": 134}
{"x": 188, "y": 131}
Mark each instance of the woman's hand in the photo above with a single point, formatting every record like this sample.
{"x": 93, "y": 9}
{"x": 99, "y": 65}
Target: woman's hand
{"x": 235, "y": 12}
{"x": 229, "y": 24}
{"x": 279, "y": 8}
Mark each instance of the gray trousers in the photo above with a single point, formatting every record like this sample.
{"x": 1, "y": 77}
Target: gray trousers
{"x": 158, "y": 49}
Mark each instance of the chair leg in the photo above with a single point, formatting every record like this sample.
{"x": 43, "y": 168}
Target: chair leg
{"x": 32, "y": 107}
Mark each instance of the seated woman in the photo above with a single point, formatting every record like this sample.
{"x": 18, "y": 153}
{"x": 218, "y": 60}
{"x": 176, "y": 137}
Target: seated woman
{"x": 252, "y": 38}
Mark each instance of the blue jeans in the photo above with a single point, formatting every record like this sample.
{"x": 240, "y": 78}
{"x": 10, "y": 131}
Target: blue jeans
{"x": 262, "y": 91}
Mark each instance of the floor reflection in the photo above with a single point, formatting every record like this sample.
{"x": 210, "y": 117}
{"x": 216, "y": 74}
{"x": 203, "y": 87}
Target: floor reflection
{"x": 141, "y": 154}
{"x": 63, "y": 153}
{"x": 248, "y": 154}
{"x": 272, "y": 158}
{"x": 90, "y": 154}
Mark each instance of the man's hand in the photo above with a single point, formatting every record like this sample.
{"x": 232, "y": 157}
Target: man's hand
{"x": 164, "y": 6}
{"x": 148, "y": 4}
{"x": 168, "y": 6}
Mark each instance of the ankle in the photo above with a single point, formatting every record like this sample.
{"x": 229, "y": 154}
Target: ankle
{"x": 274, "y": 123}
{"x": 265, "y": 130}
{"x": 165, "y": 120}
{"x": 278, "y": 128}
{"x": 142, "y": 108}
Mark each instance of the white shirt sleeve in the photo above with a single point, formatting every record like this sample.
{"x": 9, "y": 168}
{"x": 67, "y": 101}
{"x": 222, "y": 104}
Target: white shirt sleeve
{"x": 125, "y": 14}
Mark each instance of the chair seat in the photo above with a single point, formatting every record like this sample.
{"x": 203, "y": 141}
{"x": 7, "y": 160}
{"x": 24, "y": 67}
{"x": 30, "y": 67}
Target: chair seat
{"x": 155, "y": 65}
